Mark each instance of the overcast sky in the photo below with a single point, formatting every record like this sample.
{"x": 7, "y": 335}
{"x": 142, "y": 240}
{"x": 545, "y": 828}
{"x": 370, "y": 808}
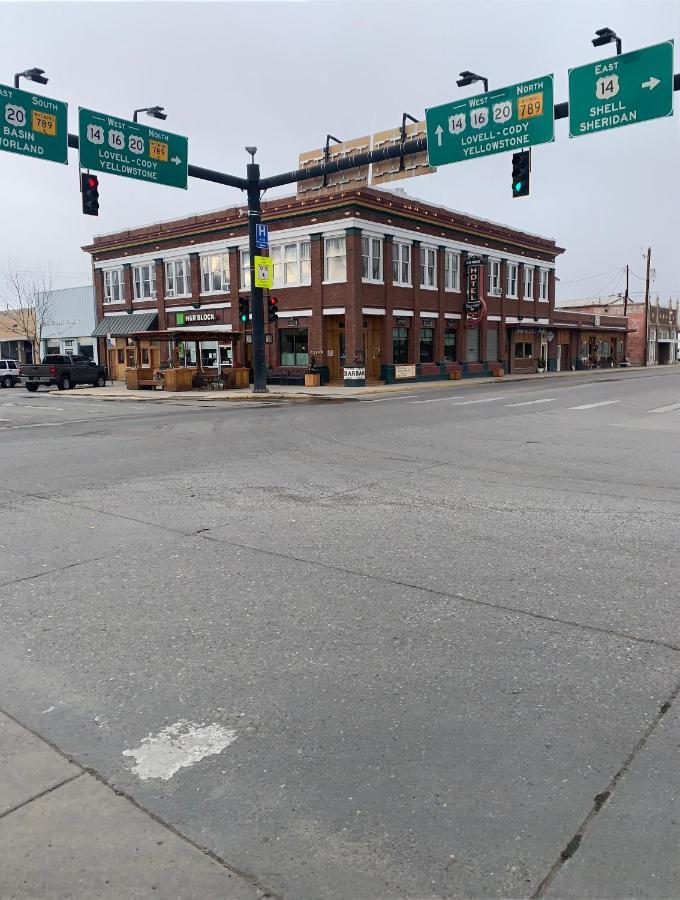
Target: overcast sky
{"x": 281, "y": 75}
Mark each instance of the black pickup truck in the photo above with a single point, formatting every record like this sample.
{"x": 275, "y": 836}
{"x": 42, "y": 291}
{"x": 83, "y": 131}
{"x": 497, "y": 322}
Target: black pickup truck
{"x": 65, "y": 371}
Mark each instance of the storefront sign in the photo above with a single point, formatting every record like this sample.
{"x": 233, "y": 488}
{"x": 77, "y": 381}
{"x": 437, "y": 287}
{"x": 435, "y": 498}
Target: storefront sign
{"x": 404, "y": 371}
{"x": 354, "y": 374}
{"x": 196, "y": 318}
{"x": 474, "y": 305}
{"x": 402, "y": 322}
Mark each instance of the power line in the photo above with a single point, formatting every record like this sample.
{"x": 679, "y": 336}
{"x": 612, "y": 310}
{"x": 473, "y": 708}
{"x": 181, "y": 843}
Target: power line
{"x": 588, "y": 277}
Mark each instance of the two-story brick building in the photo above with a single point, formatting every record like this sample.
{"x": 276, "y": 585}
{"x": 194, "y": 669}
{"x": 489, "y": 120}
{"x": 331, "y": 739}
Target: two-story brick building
{"x": 364, "y": 278}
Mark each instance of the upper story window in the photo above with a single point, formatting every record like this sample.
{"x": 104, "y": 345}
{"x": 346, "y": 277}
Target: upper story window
{"x": 292, "y": 263}
{"x": 114, "y": 286}
{"x": 511, "y": 287}
{"x": 335, "y": 259}
{"x": 215, "y": 273}
{"x": 371, "y": 258}
{"x": 451, "y": 270}
{"x": 494, "y": 277}
{"x": 245, "y": 269}
{"x": 177, "y": 278}
{"x": 528, "y": 282}
{"x": 401, "y": 263}
{"x": 144, "y": 278}
{"x": 543, "y": 275}
{"x": 428, "y": 267}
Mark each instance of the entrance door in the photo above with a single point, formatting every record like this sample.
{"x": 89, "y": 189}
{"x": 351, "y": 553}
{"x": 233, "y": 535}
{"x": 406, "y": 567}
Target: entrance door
{"x": 372, "y": 346}
{"x": 335, "y": 342}
{"x": 559, "y": 358}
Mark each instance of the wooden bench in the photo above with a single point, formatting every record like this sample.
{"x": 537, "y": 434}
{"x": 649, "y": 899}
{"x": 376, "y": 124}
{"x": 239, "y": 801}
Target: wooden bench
{"x": 287, "y": 375}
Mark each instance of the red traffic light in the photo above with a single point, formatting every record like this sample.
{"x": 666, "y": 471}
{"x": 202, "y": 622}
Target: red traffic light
{"x": 92, "y": 182}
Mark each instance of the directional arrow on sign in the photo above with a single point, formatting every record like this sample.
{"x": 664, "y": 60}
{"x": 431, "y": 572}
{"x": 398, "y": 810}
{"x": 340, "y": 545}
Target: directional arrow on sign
{"x": 439, "y": 131}
{"x": 176, "y": 160}
{"x": 651, "y": 84}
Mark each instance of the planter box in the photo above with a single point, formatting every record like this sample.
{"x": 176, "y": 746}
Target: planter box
{"x": 312, "y": 380}
{"x": 497, "y": 371}
{"x": 455, "y": 375}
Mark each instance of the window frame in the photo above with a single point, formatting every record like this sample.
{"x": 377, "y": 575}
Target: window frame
{"x": 511, "y": 267}
{"x": 368, "y": 260}
{"x": 141, "y": 281}
{"x": 402, "y": 248}
{"x": 120, "y": 272}
{"x": 425, "y": 267}
{"x": 343, "y": 256}
{"x": 244, "y": 269}
{"x": 495, "y": 271}
{"x": 207, "y": 270}
{"x": 448, "y": 256}
{"x": 170, "y": 266}
{"x": 302, "y": 262}
{"x": 528, "y": 295}
{"x": 541, "y": 284}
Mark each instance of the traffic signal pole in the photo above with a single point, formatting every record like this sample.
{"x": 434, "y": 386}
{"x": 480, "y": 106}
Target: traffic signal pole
{"x": 256, "y": 306}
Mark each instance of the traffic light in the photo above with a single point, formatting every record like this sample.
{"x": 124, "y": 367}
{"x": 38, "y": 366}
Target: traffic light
{"x": 89, "y": 188}
{"x": 521, "y": 166}
{"x": 243, "y": 310}
{"x": 273, "y": 309}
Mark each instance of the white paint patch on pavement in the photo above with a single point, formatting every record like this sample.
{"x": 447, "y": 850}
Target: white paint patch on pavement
{"x": 593, "y": 405}
{"x": 177, "y": 747}
{"x": 531, "y": 402}
{"x": 662, "y": 409}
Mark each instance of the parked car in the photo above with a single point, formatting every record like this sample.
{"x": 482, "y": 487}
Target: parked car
{"x": 65, "y": 371}
{"x": 9, "y": 372}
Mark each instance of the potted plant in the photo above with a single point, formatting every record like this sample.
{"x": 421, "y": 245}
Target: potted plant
{"x": 541, "y": 364}
{"x": 312, "y": 377}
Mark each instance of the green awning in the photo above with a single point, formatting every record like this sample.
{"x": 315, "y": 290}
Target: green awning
{"x": 128, "y": 323}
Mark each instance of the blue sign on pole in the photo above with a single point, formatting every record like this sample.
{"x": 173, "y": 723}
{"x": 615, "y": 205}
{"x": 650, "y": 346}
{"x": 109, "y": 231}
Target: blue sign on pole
{"x": 262, "y": 236}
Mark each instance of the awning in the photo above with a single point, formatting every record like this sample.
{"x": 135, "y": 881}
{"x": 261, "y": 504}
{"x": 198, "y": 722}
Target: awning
{"x": 121, "y": 326}
{"x": 598, "y": 328}
{"x": 181, "y": 335}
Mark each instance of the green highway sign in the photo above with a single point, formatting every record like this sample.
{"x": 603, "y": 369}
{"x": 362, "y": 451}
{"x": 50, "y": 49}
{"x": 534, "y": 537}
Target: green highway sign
{"x": 621, "y": 90}
{"x": 32, "y": 125}
{"x": 510, "y": 118}
{"x": 119, "y": 147}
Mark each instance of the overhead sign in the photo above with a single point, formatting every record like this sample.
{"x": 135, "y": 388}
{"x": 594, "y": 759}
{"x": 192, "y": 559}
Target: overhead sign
{"x": 511, "y": 118}
{"x": 261, "y": 236}
{"x": 349, "y": 178}
{"x": 264, "y": 272}
{"x": 32, "y": 125}
{"x": 391, "y": 169}
{"x": 622, "y": 90}
{"x": 119, "y": 147}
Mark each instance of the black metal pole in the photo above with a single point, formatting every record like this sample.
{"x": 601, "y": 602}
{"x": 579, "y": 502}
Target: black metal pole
{"x": 256, "y": 307}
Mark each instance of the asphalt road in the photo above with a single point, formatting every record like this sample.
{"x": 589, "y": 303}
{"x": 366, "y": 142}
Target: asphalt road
{"x": 440, "y": 630}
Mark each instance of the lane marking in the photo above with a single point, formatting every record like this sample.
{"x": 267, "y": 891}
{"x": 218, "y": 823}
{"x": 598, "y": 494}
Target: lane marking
{"x": 662, "y": 409}
{"x": 33, "y": 406}
{"x": 531, "y": 402}
{"x": 383, "y": 399}
{"x": 177, "y": 747}
{"x": 461, "y": 402}
{"x": 593, "y": 405}
{"x": 34, "y": 425}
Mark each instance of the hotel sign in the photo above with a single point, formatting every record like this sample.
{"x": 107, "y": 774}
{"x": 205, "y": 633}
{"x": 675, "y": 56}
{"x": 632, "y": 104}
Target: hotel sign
{"x": 474, "y": 305}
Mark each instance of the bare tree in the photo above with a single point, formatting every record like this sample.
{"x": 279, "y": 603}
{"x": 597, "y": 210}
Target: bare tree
{"x": 28, "y": 299}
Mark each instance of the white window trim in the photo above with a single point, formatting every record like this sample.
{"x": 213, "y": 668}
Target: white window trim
{"x": 332, "y": 236}
{"x": 530, "y": 296}
{"x": 152, "y": 280}
{"x": 421, "y": 286}
{"x": 499, "y": 291}
{"x": 448, "y": 252}
{"x": 213, "y": 292}
{"x": 373, "y": 237}
{"x": 121, "y": 284}
{"x": 507, "y": 280}
{"x": 187, "y": 277}
{"x": 409, "y": 245}
{"x": 545, "y": 299}
{"x": 281, "y": 286}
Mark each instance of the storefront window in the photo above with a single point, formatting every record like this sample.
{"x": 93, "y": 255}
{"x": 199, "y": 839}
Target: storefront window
{"x": 450, "y": 337}
{"x": 400, "y": 345}
{"x": 294, "y": 346}
{"x": 524, "y": 350}
{"x": 426, "y": 345}
{"x": 492, "y": 344}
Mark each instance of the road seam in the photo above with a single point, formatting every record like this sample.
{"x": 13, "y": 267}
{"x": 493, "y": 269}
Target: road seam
{"x": 600, "y": 800}
{"x": 44, "y": 793}
{"x": 267, "y": 894}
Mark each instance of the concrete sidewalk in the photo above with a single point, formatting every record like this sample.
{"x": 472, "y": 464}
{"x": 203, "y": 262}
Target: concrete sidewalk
{"x": 65, "y": 834}
{"x": 118, "y": 391}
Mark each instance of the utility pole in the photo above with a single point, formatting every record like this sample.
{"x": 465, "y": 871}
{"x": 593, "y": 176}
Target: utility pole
{"x": 649, "y": 258}
{"x": 625, "y": 298}
{"x": 256, "y": 307}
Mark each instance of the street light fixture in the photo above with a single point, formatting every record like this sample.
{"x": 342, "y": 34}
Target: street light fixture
{"x": 252, "y": 151}
{"x": 37, "y": 75}
{"x": 469, "y": 77}
{"x": 607, "y": 36}
{"x": 156, "y": 112}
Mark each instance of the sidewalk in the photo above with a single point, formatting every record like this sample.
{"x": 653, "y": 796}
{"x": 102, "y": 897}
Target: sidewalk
{"x": 292, "y": 392}
{"x": 64, "y": 834}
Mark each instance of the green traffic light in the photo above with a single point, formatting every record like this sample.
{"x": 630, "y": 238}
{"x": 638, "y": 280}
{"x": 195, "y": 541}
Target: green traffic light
{"x": 518, "y": 186}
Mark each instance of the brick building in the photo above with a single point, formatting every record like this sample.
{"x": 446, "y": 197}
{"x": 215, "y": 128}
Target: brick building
{"x": 661, "y": 330}
{"x": 364, "y": 278}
